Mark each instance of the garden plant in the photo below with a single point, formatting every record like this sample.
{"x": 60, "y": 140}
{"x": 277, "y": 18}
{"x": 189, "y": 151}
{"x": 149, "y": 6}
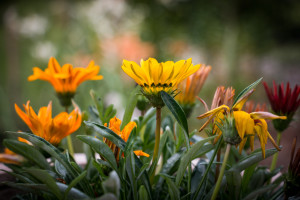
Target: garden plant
{"x": 154, "y": 155}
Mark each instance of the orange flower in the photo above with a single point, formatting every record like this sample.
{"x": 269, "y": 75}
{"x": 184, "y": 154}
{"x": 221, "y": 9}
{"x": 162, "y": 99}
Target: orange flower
{"x": 11, "y": 157}
{"x": 114, "y": 125}
{"x": 66, "y": 79}
{"x": 52, "y": 130}
{"x": 190, "y": 88}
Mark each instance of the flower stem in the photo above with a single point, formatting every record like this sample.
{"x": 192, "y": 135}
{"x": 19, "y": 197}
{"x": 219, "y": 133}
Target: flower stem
{"x": 275, "y": 157}
{"x": 157, "y": 140}
{"x": 69, "y": 139}
{"x": 218, "y": 184}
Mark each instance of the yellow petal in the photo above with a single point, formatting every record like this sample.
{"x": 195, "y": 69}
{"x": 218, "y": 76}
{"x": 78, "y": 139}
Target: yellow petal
{"x": 265, "y": 115}
{"x": 240, "y": 103}
{"x": 141, "y": 153}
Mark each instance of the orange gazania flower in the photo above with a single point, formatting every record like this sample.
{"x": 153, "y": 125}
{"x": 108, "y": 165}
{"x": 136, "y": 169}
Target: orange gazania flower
{"x": 114, "y": 125}
{"x": 51, "y": 129}
{"x": 190, "y": 88}
{"x": 11, "y": 157}
{"x": 66, "y": 79}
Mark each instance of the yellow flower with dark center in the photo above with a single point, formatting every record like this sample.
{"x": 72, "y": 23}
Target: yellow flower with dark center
{"x": 246, "y": 124}
{"x": 114, "y": 125}
{"x": 155, "y": 77}
{"x": 66, "y": 79}
{"x": 51, "y": 129}
{"x": 11, "y": 157}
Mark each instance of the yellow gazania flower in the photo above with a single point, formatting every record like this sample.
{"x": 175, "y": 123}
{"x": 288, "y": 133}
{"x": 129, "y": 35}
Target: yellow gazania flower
{"x": 190, "y": 88}
{"x": 114, "y": 125}
{"x": 51, "y": 129}
{"x": 246, "y": 124}
{"x": 66, "y": 79}
{"x": 11, "y": 157}
{"x": 154, "y": 77}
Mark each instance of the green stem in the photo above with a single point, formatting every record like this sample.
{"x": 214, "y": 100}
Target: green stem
{"x": 157, "y": 140}
{"x": 208, "y": 167}
{"x": 69, "y": 140}
{"x": 218, "y": 184}
{"x": 275, "y": 157}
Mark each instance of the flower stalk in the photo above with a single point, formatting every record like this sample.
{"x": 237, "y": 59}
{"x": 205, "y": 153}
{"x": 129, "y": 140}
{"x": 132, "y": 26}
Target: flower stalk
{"x": 275, "y": 157}
{"x": 218, "y": 184}
{"x": 157, "y": 140}
{"x": 69, "y": 139}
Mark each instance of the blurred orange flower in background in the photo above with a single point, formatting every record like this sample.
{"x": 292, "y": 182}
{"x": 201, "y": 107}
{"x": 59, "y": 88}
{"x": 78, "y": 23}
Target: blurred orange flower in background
{"x": 51, "y": 129}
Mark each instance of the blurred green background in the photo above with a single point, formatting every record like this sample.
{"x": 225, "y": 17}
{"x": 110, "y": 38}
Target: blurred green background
{"x": 241, "y": 40}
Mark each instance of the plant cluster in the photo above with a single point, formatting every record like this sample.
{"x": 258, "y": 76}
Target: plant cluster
{"x": 154, "y": 156}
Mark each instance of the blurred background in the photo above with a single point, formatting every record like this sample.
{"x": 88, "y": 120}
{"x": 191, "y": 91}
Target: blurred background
{"x": 241, "y": 40}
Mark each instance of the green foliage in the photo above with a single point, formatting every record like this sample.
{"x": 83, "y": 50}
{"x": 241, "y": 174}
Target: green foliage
{"x": 117, "y": 173}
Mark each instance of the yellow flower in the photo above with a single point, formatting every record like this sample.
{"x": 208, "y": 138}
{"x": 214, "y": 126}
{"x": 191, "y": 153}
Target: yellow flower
{"x": 189, "y": 88}
{"x": 155, "y": 77}
{"x": 246, "y": 124}
{"x": 114, "y": 125}
{"x": 66, "y": 79}
{"x": 11, "y": 157}
{"x": 51, "y": 129}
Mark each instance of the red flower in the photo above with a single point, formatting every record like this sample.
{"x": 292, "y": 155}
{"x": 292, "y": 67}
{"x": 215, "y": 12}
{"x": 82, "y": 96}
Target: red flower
{"x": 283, "y": 102}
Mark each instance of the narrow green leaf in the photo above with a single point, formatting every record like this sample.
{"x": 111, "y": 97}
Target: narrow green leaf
{"x": 187, "y": 158}
{"x": 176, "y": 110}
{"x": 55, "y": 153}
{"x": 27, "y": 151}
{"x": 173, "y": 189}
{"x": 130, "y": 107}
{"x": 247, "y": 176}
{"x": 44, "y": 177}
{"x": 107, "y": 133}
{"x": 247, "y": 89}
{"x": 117, "y": 140}
{"x": 257, "y": 192}
{"x": 73, "y": 183}
{"x": 101, "y": 148}
{"x": 251, "y": 160}
{"x": 130, "y": 168}
{"x": 22, "y": 178}
{"x": 234, "y": 181}
{"x": 161, "y": 146}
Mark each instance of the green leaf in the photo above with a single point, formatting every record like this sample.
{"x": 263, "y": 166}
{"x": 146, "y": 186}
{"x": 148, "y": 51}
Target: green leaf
{"x": 247, "y": 89}
{"x": 55, "y": 153}
{"x": 143, "y": 193}
{"x": 19, "y": 176}
{"x": 44, "y": 177}
{"x": 176, "y": 110}
{"x": 247, "y": 176}
{"x": 187, "y": 158}
{"x": 257, "y": 192}
{"x": 130, "y": 107}
{"x": 107, "y": 133}
{"x": 117, "y": 140}
{"x": 173, "y": 189}
{"x": 161, "y": 146}
{"x": 101, "y": 148}
{"x": 73, "y": 183}
{"x": 251, "y": 160}
{"x": 27, "y": 151}
{"x": 234, "y": 181}
{"x": 130, "y": 168}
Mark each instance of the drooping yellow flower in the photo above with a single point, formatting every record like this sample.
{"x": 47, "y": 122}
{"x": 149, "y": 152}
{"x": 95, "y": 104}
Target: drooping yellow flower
{"x": 51, "y": 129}
{"x": 114, "y": 125}
{"x": 11, "y": 157}
{"x": 246, "y": 124}
{"x": 66, "y": 79}
{"x": 154, "y": 77}
{"x": 190, "y": 88}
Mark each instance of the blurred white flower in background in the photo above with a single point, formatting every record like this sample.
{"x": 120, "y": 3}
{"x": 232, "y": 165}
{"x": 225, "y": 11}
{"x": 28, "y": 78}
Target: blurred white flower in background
{"x": 43, "y": 50}
{"x": 33, "y": 25}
